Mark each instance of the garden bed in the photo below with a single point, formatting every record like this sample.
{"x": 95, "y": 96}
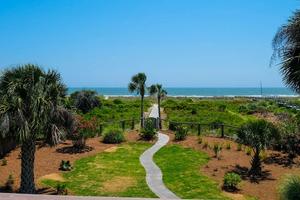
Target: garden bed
{"x": 275, "y": 166}
{"x": 48, "y": 159}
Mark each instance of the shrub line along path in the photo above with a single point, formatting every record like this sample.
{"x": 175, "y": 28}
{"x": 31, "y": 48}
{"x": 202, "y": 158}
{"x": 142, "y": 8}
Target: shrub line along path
{"x": 153, "y": 172}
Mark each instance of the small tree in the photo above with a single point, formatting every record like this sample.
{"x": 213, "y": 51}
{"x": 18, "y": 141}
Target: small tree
{"x": 138, "y": 85}
{"x": 258, "y": 135}
{"x": 85, "y": 100}
{"x": 158, "y": 90}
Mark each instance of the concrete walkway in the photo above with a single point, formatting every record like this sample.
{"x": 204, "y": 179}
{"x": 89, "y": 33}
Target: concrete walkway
{"x": 11, "y": 196}
{"x": 153, "y": 172}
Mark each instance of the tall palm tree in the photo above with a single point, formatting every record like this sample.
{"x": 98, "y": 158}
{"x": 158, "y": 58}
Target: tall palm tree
{"x": 138, "y": 85}
{"x": 286, "y": 46}
{"x": 29, "y": 109}
{"x": 158, "y": 90}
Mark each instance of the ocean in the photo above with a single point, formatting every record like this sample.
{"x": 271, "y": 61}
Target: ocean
{"x": 198, "y": 92}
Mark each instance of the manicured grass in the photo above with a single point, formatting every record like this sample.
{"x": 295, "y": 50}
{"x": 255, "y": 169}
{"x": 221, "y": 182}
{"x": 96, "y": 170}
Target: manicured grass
{"x": 181, "y": 169}
{"x": 116, "y": 173}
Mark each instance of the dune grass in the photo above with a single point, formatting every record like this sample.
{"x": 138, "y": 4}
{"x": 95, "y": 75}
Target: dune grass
{"x": 181, "y": 169}
{"x": 116, "y": 173}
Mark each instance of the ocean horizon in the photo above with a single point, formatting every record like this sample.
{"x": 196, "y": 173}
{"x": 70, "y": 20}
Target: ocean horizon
{"x": 198, "y": 91}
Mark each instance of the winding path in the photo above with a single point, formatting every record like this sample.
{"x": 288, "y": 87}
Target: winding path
{"x": 153, "y": 172}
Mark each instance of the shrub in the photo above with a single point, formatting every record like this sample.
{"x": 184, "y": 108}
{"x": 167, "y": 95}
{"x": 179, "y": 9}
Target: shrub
{"x": 172, "y": 126}
{"x": 85, "y": 100}
{"x": 148, "y": 132}
{"x": 61, "y": 189}
{"x": 113, "y": 136}
{"x": 9, "y": 183}
{"x": 84, "y": 129}
{"x": 263, "y": 155}
{"x": 289, "y": 189}
{"x": 117, "y": 101}
{"x": 231, "y": 181}
{"x": 3, "y": 162}
{"x": 239, "y": 147}
{"x": 181, "y": 133}
{"x": 222, "y": 108}
{"x": 228, "y": 146}
{"x": 65, "y": 165}
{"x": 217, "y": 149}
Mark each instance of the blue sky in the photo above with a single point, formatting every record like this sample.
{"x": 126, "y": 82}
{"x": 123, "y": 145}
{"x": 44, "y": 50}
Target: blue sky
{"x": 196, "y": 43}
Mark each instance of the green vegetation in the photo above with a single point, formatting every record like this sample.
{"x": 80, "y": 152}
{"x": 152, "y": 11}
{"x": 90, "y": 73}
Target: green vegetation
{"x": 148, "y": 132}
{"x": 233, "y": 112}
{"x": 113, "y": 136}
{"x": 158, "y": 90}
{"x": 290, "y": 188}
{"x": 231, "y": 181}
{"x": 117, "y": 109}
{"x": 116, "y": 173}
{"x": 138, "y": 85}
{"x": 84, "y": 100}
{"x": 180, "y": 167}
{"x": 31, "y": 101}
{"x": 181, "y": 132}
{"x": 217, "y": 149}
{"x": 258, "y": 134}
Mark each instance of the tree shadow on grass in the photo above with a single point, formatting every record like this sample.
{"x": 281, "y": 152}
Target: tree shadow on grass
{"x": 74, "y": 150}
{"x": 243, "y": 172}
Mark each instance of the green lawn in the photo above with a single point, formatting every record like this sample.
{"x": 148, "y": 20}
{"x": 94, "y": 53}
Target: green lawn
{"x": 116, "y": 173}
{"x": 181, "y": 169}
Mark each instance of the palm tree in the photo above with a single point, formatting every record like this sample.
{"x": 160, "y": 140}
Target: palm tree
{"x": 138, "y": 85}
{"x": 30, "y": 109}
{"x": 158, "y": 90}
{"x": 286, "y": 46}
{"x": 85, "y": 100}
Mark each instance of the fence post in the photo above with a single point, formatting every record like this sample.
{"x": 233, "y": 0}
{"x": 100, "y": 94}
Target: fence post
{"x": 132, "y": 124}
{"x": 100, "y": 128}
{"x": 222, "y": 130}
{"x": 123, "y": 125}
{"x": 199, "y": 129}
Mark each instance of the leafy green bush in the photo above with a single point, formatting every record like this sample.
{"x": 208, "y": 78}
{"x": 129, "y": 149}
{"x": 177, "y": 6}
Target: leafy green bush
{"x": 181, "y": 132}
{"x": 231, "y": 181}
{"x": 65, "y": 165}
{"x": 61, "y": 189}
{"x": 85, "y": 100}
{"x": 113, "y": 135}
{"x": 117, "y": 101}
{"x": 148, "y": 132}
{"x": 289, "y": 189}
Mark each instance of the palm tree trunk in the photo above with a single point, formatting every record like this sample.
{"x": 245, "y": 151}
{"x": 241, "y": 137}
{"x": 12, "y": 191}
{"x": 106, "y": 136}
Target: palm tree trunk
{"x": 27, "y": 166}
{"x": 159, "y": 116}
{"x": 142, "y": 111}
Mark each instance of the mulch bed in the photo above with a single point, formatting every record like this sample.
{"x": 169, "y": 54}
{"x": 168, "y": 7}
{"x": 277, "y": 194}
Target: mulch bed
{"x": 275, "y": 166}
{"x": 47, "y": 159}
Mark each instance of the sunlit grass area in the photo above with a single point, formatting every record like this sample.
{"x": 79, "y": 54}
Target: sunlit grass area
{"x": 116, "y": 173}
{"x": 181, "y": 169}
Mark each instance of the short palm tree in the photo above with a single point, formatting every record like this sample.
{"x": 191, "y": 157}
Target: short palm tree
{"x": 138, "y": 85}
{"x": 30, "y": 108}
{"x": 158, "y": 90}
{"x": 286, "y": 46}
